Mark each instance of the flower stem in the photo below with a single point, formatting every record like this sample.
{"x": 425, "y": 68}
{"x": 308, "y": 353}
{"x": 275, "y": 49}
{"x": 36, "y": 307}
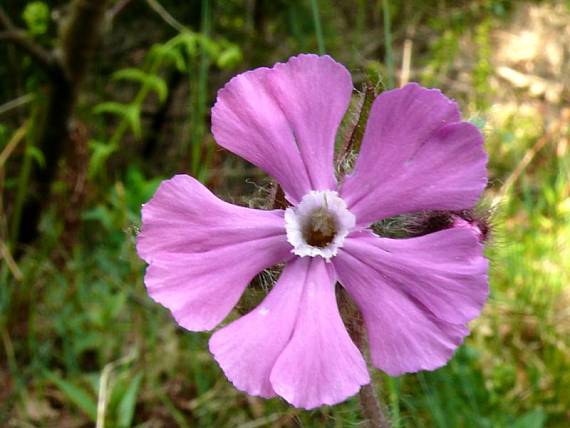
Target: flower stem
{"x": 371, "y": 408}
{"x": 354, "y": 140}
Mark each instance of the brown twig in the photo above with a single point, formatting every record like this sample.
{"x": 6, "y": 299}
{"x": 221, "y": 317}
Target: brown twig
{"x": 44, "y": 58}
{"x": 166, "y": 16}
{"x": 117, "y": 9}
{"x": 550, "y": 135}
{"x": 77, "y": 45}
{"x": 6, "y": 255}
{"x": 406, "y": 61}
{"x": 16, "y": 103}
{"x": 525, "y": 161}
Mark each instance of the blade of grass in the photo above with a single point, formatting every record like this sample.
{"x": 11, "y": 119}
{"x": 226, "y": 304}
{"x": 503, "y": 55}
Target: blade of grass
{"x": 18, "y": 102}
{"x": 166, "y": 17}
{"x": 393, "y": 386}
{"x": 6, "y": 255}
{"x": 104, "y": 386}
{"x": 13, "y": 143}
{"x": 318, "y": 28}
{"x": 25, "y": 171}
{"x": 176, "y": 414}
{"x": 361, "y": 10}
{"x": 129, "y": 402}
{"x": 76, "y": 395}
{"x": 199, "y": 113}
{"x": 295, "y": 27}
{"x": 389, "y": 58}
{"x": 433, "y": 402}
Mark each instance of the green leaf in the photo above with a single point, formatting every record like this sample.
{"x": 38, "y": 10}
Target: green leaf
{"x": 168, "y": 55}
{"x": 154, "y": 82}
{"x": 189, "y": 41}
{"x": 177, "y": 415}
{"x": 211, "y": 47}
{"x": 100, "y": 152}
{"x": 533, "y": 419}
{"x": 76, "y": 395}
{"x": 133, "y": 116}
{"x": 36, "y": 16}
{"x": 128, "y": 403}
{"x": 478, "y": 121}
{"x": 229, "y": 57}
{"x": 158, "y": 85}
{"x": 111, "y": 107}
{"x": 134, "y": 74}
{"x": 37, "y": 155}
{"x": 129, "y": 112}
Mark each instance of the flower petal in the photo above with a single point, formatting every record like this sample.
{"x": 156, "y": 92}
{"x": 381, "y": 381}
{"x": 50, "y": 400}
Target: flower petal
{"x": 416, "y": 294}
{"x": 247, "y": 348}
{"x": 202, "y": 252}
{"x": 416, "y": 155}
{"x": 320, "y": 365}
{"x": 285, "y": 120}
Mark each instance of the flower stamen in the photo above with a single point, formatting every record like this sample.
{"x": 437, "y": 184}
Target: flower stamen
{"x": 320, "y": 230}
{"x": 319, "y": 224}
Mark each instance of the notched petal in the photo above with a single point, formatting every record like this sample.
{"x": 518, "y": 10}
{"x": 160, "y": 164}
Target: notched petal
{"x": 320, "y": 365}
{"x": 416, "y": 295}
{"x": 247, "y": 348}
{"x": 285, "y": 119}
{"x": 202, "y": 252}
{"x": 416, "y": 155}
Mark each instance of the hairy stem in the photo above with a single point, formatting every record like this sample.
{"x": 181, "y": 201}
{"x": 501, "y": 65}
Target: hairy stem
{"x": 278, "y": 198}
{"x": 353, "y": 143}
{"x": 372, "y": 408}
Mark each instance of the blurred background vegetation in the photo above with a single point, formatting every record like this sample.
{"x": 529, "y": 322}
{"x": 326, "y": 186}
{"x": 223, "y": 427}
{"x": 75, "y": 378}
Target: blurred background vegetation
{"x": 101, "y": 99}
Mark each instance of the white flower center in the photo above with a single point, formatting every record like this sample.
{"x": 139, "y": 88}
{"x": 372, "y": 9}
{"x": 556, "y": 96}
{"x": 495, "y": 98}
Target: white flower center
{"x": 319, "y": 224}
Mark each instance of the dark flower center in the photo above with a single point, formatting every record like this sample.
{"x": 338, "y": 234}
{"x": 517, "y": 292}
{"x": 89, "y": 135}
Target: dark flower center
{"x": 321, "y": 228}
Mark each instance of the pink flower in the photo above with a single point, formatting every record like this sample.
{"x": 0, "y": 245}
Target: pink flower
{"x": 416, "y": 295}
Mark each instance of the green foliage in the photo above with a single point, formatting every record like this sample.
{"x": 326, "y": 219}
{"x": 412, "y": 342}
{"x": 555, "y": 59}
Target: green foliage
{"x": 154, "y": 82}
{"x": 119, "y": 211}
{"x": 179, "y": 53}
{"x": 229, "y": 58}
{"x": 36, "y": 15}
{"x": 35, "y": 154}
{"x": 444, "y": 50}
{"x": 483, "y": 70}
{"x": 130, "y": 113}
{"x": 80, "y": 334}
{"x": 75, "y": 394}
{"x": 126, "y": 397}
{"x": 163, "y": 53}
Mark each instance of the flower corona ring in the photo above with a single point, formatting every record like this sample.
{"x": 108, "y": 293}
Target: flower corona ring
{"x": 416, "y": 295}
{"x": 318, "y": 225}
